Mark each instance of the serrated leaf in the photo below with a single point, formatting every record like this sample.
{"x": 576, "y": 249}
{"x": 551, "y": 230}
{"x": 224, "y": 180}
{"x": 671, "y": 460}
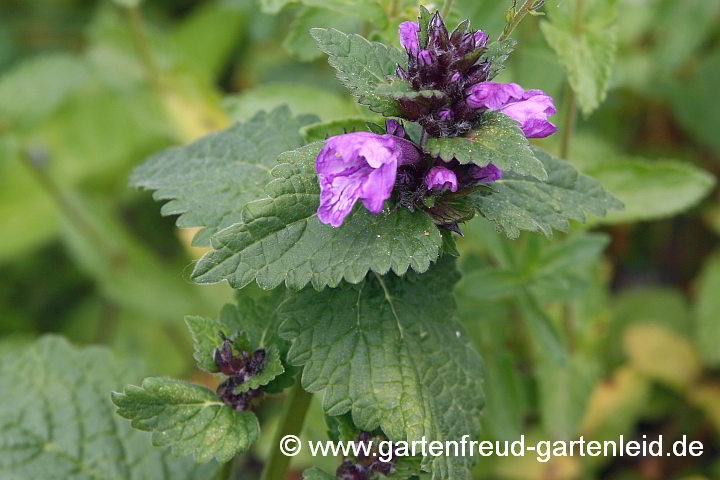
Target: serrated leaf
{"x": 272, "y": 369}
{"x": 281, "y": 239}
{"x": 317, "y": 132}
{"x": 525, "y": 203}
{"x": 57, "y": 421}
{"x": 189, "y": 418}
{"x": 643, "y": 186}
{"x": 586, "y": 43}
{"x": 497, "y": 53}
{"x": 207, "y": 335}
{"x": 402, "y": 90}
{"x": 362, "y": 66}
{"x": 497, "y": 139}
{"x": 390, "y": 351}
{"x": 210, "y": 180}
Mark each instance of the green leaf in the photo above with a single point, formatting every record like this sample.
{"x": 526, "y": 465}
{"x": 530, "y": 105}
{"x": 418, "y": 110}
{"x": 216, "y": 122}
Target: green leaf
{"x": 281, "y": 239}
{"x": 369, "y": 10}
{"x": 272, "y": 369}
{"x": 525, "y": 203}
{"x": 57, "y": 421}
{"x": 317, "y": 132}
{"x": 300, "y": 43}
{"x": 498, "y": 52}
{"x": 362, "y": 66}
{"x": 390, "y": 351}
{"x": 651, "y": 189}
{"x": 300, "y": 98}
{"x": 207, "y": 335}
{"x": 189, "y": 418}
{"x": 707, "y": 312}
{"x": 497, "y": 139}
{"x": 586, "y": 43}
{"x": 38, "y": 86}
{"x": 402, "y": 90}
{"x": 210, "y": 180}
{"x": 315, "y": 473}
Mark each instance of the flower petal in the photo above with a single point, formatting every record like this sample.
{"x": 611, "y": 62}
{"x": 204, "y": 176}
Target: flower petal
{"x": 438, "y": 178}
{"x": 408, "y": 37}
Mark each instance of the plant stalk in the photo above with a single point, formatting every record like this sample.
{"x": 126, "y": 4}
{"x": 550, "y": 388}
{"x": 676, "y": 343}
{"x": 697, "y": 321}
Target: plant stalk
{"x": 142, "y": 46}
{"x": 446, "y": 8}
{"x": 291, "y": 424}
{"x": 524, "y": 10}
{"x": 570, "y": 117}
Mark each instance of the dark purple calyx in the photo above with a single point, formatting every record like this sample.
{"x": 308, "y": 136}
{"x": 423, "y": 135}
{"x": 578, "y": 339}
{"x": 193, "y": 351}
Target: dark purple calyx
{"x": 239, "y": 367}
{"x": 450, "y": 63}
{"x": 364, "y": 466}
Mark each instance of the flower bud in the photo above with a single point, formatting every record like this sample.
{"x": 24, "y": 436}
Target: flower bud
{"x": 446, "y": 115}
{"x": 426, "y": 58}
{"x": 393, "y": 127}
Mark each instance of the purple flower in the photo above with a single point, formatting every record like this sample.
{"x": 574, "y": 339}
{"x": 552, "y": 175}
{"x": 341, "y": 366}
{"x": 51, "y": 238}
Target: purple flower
{"x": 359, "y": 166}
{"x": 481, "y": 39}
{"x": 426, "y": 58}
{"x": 441, "y": 178}
{"x": 408, "y": 37}
{"x": 487, "y": 174}
{"x": 393, "y": 127}
{"x": 531, "y": 109}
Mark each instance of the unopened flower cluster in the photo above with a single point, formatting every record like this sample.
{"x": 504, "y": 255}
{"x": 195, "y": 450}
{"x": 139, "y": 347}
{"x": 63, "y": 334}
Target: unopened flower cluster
{"x": 364, "y": 467}
{"x": 239, "y": 369}
{"x": 374, "y": 168}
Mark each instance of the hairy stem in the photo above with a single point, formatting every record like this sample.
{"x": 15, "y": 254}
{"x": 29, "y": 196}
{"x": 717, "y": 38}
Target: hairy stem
{"x": 524, "y": 10}
{"x": 291, "y": 424}
{"x": 446, "y": 8}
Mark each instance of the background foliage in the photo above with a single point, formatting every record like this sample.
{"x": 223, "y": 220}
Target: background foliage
{"x": 598, "y": 332}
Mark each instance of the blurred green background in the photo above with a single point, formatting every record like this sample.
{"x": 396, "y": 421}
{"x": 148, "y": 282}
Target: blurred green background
{"x": 89, "y": 88}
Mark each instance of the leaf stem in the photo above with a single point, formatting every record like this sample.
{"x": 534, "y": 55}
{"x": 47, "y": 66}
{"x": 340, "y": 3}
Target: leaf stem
{"x": 291, "y": 424}
{"x": 446, "y": 8}
{"x": 524, "y": 10}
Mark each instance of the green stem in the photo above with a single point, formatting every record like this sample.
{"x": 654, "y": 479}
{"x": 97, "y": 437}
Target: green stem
{"x": 292, "y": 422}
{"x": 75, "y": 217}
{"x": 446, "y": 8}
{"x": 524, "y": 10}
{"x": 570, "y": 116}
{"x": 142, "y": 46}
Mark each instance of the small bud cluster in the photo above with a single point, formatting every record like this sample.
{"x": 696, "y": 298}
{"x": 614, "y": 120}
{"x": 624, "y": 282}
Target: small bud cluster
{"x": 239, "y": 369}
{"x": 450, "y": 63}
{"x": 363, "y": 467}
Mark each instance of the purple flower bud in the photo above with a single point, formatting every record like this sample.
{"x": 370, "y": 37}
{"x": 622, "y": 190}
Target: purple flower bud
{"x": 486, "y": 174}
{"x": 531, "y": 109}
{"x": 441, "y": 178}
{"x": 481, "y": 39}
{"x": 393, "y": 127}
{"x": 408, "y": 37}
{"x": 446, "y": 115}
{"x": 401, "y": 73}
{"x": 426, "y": 58}
{"x": 457, "y": 77}
{"x": 359, "y": 166}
